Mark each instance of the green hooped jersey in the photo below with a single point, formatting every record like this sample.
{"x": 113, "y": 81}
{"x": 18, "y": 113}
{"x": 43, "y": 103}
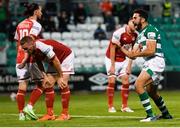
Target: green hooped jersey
{"x": 150, "y": 33}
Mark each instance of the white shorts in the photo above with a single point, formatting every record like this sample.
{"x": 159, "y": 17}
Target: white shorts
{"x": 30, "y": 71}
{"x": 67, "y": 65}
{"x": 154, "y": 67}
{"x": 120, "y": 67}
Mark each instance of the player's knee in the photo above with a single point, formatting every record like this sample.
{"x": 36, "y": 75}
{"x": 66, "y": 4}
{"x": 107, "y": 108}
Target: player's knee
{"x": 125, "y": 77}
{"x": 111, "y": 80}
{"x": 22, "y": 86}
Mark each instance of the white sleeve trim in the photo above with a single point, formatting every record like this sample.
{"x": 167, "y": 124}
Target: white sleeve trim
{"x": 36, "y": 28}
{"x": 46, "y": 49}
{"x": 117, "y": 35}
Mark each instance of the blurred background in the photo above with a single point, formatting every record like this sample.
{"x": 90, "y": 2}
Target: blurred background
{"x": 86, "y": 26}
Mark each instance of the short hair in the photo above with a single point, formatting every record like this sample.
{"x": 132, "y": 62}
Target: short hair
{"x": 30, "y": 8}
{"x": 26, "y": 39}
{"x": 142, "y": 13}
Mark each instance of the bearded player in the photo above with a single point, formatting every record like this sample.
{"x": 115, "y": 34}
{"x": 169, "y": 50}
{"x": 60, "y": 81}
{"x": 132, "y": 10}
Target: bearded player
{"x": 117, "y": 65}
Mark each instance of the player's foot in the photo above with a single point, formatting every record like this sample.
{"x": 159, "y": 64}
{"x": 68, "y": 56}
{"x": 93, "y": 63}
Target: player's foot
{"x": 63, "y": 117}
{"x": 149, "y": 119}
{"x": 111, "y": 110}
{"x": 167, "y": 116}
{"x": 47, "y": 117}
{"x": 22, "y": 116}
{"x": 126, "y": 109}
{"x": 30, "y": 112}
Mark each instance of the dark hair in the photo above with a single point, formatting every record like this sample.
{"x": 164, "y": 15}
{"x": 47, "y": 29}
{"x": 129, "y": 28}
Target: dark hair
{"x": 30, "y": 8}
{"x": 26, "y": 39}
{"x": 142, "y": 13}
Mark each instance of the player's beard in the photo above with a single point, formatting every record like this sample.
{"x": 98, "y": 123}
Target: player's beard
{"x": 138, "y": 26}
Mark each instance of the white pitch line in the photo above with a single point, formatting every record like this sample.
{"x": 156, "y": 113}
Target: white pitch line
{"x": 83, "y": 116}
{"x": 90, "y": 116}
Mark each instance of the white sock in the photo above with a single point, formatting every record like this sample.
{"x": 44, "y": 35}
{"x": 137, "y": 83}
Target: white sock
{"x": 21, "y": 114}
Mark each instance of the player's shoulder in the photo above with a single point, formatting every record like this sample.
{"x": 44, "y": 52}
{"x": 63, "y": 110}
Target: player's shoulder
{"x": 36, "y": 24}
{"x": 151, "y": 28}
{"x": 120, "y": 30}
{"x": 22, "y": 23}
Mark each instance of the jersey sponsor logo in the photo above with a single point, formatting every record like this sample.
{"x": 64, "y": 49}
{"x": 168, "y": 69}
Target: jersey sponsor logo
{"x": 124, "y": 38}
{"x": 151, "y": 35}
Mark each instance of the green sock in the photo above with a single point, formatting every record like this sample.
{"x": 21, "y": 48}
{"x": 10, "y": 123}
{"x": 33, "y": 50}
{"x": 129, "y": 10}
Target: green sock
{"x": 146, "y": 103}
{"x": 161, "y": 105}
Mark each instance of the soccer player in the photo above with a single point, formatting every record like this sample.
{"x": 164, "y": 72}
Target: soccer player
{"x": 118, "y": 66}
{"x": 60, "y": 59}
{"x": 30, "y": 27}
{"x": 148, "y": 46}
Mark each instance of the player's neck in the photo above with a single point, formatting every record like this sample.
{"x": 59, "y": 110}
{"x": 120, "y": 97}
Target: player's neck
{"x": 33, "y": 17}
{"x": 144, "y": 25}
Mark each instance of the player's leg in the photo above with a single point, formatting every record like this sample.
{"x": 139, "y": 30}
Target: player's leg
{"x": 67, "y": 67}
{"x": 23, "y": 76}
{"x": 158, "y": 100}
{"x": 125, "y": 93}
{"x": 37, "y": 77}
{"x": 110, "y": 87}
{"x": 143, "y": 95}
{"x": 49, "y": 98}
{"x": 123, "y": 75}
{"x": 65, "y": 98}
{"x": 110, "y": 93}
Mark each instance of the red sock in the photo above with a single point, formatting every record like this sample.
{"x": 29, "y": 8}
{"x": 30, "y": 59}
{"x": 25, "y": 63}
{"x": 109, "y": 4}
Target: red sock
{"x": 124, "y": 94}
{"x": 110, "y": 94}
{"x": 49, "y": 100}
{"x": 36, "y": 93}
{"x": 20, "y": 100}
{"x": 65, "y": 97}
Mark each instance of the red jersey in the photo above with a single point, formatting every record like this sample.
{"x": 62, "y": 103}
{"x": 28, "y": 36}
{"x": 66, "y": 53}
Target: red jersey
{"x": 117, "y": 38}
{"x": 49, "y": 48}
{"x": 25, "y": 28}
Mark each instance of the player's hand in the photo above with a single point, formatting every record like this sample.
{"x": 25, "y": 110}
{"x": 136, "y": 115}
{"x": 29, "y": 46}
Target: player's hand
{"x": 119, "y": 45}
{"x": 22, "y": 65}
{"x": 111, "y": 70}
{"x": 46, "y": 82}
{"x": 61, "y": 83}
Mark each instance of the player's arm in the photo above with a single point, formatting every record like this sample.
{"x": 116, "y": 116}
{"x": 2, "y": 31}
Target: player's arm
{"x": 128, "y": 68}
{"x": 130, "y": 61}
{"x": 26, "y": 56}
{"x": 50, "y": 54}
{"x": 112, "y": 58}
{"x": 149, "y": 51}
{"x": 46, "y": 82}
{"x": 114, "y": 43}
{"x": 57, "y": 65}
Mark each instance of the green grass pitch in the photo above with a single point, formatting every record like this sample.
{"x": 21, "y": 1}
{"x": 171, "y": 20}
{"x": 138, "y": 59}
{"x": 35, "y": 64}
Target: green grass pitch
{"x": 89, "y": 109}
